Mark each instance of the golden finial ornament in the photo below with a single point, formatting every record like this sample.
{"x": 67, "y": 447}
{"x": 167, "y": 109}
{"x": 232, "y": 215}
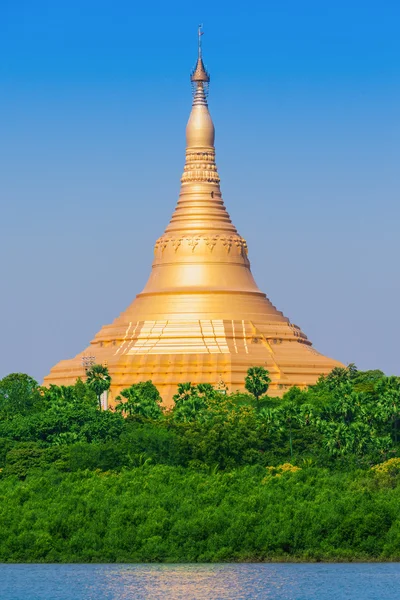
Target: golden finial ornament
{"x": 199, "y": 74}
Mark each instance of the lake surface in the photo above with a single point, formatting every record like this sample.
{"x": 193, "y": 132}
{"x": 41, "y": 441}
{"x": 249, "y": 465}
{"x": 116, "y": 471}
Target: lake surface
{"x": 203, "y": 582}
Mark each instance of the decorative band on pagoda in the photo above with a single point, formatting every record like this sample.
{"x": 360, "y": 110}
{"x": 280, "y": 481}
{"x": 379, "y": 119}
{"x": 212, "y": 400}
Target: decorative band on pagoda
{"x": 200, "y": 167}
{"x": 228, "y": 242}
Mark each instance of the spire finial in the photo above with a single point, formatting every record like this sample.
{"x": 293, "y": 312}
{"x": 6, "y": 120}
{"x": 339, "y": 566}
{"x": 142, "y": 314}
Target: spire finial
{"x": 200, "y": 33}
{"x": 199, "y": 76}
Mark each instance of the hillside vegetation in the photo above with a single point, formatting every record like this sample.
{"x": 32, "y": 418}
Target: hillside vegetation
{"x": 240, "y": 477}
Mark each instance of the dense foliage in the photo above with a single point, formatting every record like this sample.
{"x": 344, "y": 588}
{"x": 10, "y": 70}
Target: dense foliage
{"x": 313, "y": 475}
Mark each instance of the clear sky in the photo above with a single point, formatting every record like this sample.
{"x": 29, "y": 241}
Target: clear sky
{"x": 94, "y": 99}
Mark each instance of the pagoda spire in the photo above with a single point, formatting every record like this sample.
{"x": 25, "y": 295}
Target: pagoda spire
{"x": 200, "y": 207}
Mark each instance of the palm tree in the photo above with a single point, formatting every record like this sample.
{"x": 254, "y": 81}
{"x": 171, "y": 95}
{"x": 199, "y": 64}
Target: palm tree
{"x": 142, "y": 399}
{"x": 98, "y": 379}
{"x": 190, "y": 400}
{"x": 257, "y": 382}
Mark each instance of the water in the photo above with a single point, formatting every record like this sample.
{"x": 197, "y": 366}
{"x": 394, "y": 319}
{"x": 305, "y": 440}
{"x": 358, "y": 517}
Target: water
{"x": 201, "y": 582}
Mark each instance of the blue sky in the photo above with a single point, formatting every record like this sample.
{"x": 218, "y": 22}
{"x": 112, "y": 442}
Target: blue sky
{"x": 94, "y": 99}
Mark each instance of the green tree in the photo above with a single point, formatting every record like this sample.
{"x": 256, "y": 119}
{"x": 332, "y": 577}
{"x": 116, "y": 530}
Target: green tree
{"x": 84, "y": 394}
{"x": 367, "y": 381}
{"x": 351, "y": 424}
{"x": 191, "y": 401}
{"x": 75, "y": 397}
{"x": 257, "y": 382}
{"x": 19, "y": 394}
{"x": 337, "y": 377}
{"x": 388, "y": 391}
{"x": 141, "y": 399}
{"x": 283, "y": 419}
{"x": 98, "y": 379}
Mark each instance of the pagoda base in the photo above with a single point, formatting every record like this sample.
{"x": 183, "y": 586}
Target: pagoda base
{"x": 218, "y": 352}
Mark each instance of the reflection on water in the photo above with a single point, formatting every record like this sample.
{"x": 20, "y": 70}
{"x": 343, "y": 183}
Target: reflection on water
{"x": 195, "y": 581}
{"x": 201, "y": 582}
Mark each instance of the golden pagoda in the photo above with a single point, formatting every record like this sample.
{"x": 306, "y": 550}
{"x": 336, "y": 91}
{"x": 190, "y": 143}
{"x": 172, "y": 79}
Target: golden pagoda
{"x": 201, "y": 317}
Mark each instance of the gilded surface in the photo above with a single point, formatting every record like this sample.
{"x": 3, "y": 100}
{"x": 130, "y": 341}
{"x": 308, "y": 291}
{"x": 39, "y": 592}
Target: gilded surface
{"x": 201, "y": 316}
